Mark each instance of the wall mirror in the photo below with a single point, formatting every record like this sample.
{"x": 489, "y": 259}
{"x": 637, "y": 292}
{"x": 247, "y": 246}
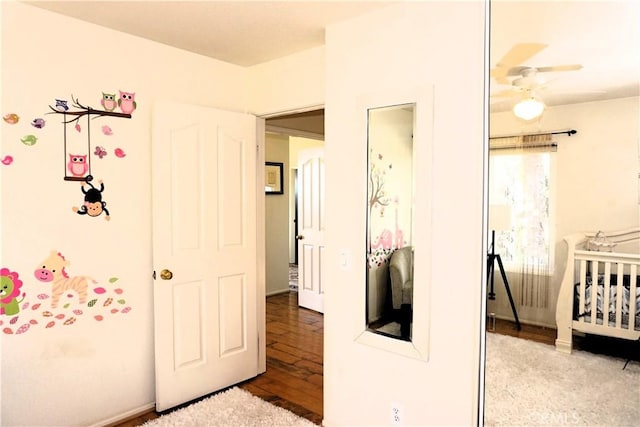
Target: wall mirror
{"x": 600, "y": 101}
{"x": 390, "y": 210}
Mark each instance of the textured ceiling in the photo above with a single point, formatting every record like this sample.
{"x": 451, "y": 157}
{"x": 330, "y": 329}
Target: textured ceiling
{"x": 240, "y": 32}
{"x": 602, "y": 36}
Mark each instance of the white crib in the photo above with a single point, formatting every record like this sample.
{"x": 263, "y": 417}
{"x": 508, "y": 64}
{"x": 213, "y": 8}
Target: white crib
{"x": 612, "y": 274}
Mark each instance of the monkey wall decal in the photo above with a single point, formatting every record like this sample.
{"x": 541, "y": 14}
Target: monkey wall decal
{"x": 93, "y": 204}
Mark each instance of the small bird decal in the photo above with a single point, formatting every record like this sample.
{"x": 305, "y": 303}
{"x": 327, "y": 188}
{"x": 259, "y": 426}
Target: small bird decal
{"x": 108, "y": 101}
{"x": 12, "y": 118}
{"x": 107, "y": 130}
{"x": 29, "y": 140}
{"x": 7, "y": 160}
{"x": 127, "y": 102}
{"x": 119, "y": 152}
{"x": 38, "y": 123}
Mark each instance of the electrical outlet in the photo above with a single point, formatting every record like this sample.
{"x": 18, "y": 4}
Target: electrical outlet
{"x": 396, "y": 414}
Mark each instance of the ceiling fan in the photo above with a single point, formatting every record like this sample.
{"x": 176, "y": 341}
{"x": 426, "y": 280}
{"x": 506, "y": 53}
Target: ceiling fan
{"x": 527, "y": 82}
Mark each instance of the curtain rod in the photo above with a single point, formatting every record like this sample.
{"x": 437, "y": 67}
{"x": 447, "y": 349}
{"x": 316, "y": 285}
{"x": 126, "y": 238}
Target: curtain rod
{"x": 569, "y": 132}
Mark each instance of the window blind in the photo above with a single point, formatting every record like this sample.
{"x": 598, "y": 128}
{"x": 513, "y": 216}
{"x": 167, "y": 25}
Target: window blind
{"x": 534, "y": 143}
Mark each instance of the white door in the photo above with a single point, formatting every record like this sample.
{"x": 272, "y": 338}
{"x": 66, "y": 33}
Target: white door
{"x": 204, "y": 251}
{"x": 311, "y": 226}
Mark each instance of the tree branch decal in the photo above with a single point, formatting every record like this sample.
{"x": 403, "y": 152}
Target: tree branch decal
{"x": 85, "y": 110}
{"x": 377, "y": 194}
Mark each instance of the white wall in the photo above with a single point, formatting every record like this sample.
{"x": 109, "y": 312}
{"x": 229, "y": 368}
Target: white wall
{"x": 294, "y": 82}
{"x": 596, "y": 181}
{"x": 399, "y": 48}
{"x": 277, "y": 219}
{"x": 88, "y": 371}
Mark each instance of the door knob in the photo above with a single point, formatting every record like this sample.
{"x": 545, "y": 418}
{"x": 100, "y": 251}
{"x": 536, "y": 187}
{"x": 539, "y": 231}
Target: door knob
{"x": 299, "y": 237}
{"x": 166, "y": 274}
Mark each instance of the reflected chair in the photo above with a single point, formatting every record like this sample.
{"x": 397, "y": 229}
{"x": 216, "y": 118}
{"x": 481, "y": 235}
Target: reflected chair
{"x": 401, "y": 272}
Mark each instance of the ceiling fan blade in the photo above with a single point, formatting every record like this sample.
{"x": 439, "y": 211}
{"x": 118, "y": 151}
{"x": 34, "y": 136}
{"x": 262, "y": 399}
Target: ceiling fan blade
{"x": 500, "y": 76}
{"x": 508, "y": 93}
{"x": 571, "y": 67}
{"x": 519, "y": 53}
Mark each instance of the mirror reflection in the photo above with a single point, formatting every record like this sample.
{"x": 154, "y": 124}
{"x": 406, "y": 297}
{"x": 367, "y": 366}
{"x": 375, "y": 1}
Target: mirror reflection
{"x": 389, "y": 220}
{"x": 547, "y": 202}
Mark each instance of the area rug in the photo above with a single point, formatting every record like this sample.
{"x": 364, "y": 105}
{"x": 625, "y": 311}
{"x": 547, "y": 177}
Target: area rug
{"x": 232, "y": 408}
{"x": 532, "y": 384}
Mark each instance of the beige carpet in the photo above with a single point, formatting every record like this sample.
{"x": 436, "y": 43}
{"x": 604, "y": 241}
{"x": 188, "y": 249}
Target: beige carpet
{"x": 531, "y": 384}
{"x": 231, "y": 408}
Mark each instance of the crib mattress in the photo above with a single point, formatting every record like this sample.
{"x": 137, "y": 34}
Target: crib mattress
{"x": 611, "y": 312}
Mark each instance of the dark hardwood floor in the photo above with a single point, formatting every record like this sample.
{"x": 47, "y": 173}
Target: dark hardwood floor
{"x": 293, "y": 379}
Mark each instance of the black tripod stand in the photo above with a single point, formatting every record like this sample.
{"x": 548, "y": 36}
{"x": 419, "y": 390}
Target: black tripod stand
{"x": 492, "y": 256}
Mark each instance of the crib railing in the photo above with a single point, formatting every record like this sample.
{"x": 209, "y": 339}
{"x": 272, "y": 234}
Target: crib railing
{"x": 618, "y": 269}
{"x": 605, "y": 307}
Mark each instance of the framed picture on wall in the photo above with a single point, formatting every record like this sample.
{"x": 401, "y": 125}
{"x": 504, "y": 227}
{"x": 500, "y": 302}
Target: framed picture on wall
{"x": 273, "y": 176}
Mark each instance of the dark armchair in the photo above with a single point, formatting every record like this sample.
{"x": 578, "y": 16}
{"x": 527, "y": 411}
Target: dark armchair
{"x": 401, "y": 272}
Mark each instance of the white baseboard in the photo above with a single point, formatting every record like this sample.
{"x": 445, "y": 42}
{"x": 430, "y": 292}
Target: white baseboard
{"x": 277, "y": 292}
{"x": 135, "y": 411}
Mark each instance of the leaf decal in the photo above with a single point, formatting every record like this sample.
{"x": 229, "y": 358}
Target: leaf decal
{"x": 126, "y": 310}
{"x": 33, "y": 321}
{"x": 118, "y": 291}
{"x": 47, "y": 314}
{"x": 50, "y": 324}
{"x": 35, "y": 306}
{"x": 77, "y": 312}
{"x": 113, "y": 280}
{"x": 25, "y": 305}
{"x": 121, "y": 301}
{"x": 98, "y": 317}
{"x": 60, "y": 316}
{"x": 66, "y": 305}
{"x": 43, "y": 296}
{"x": 114, "y": 310}
{"x": 24, "y": 328}
{"x": 92, "y": 302}
{"x": 99, "y": 290}
{"x": 7, "y": 331}
{"x": 107, "y": 302}
{"x": 14, "y": 320}
{"x": 70, "y": 321}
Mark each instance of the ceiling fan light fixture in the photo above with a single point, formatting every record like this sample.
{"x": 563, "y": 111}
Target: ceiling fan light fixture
{"x": 528, "y": 108}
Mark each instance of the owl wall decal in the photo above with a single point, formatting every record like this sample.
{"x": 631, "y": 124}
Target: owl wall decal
{"x": 127, "y": 102}
{"x": 78, "y": 165}
{"x": 108, "y": 101}
{"x": 61, "y": 105}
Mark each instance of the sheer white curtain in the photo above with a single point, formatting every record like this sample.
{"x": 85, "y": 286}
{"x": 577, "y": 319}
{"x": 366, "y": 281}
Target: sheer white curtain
{"x": 521, "y": 175}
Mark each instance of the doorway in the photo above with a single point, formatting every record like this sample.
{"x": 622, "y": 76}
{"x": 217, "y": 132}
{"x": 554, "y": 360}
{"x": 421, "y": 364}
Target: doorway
{"x": 287, "y": 134}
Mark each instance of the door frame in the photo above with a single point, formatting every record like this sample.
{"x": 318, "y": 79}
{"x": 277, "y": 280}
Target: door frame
{"x": 261, "y": 255}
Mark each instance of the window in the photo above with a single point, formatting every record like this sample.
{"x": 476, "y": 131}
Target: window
{"x": 521, "y": 180}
